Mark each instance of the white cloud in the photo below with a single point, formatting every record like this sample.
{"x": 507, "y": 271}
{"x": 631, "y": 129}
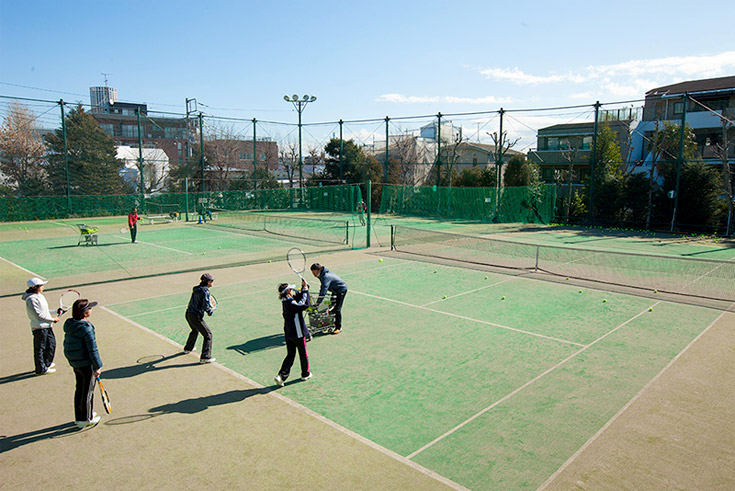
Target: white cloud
{"x": 684, "y": 67}
{"x": 405, "y": 99}
{"x": 412, "y": 99}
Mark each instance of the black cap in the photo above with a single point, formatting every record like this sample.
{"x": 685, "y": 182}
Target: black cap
{"x": 207, "y": 277}
{"x": 89, "y": 306}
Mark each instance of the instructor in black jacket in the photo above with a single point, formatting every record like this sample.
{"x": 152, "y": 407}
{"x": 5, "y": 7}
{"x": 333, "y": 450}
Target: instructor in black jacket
{"x": 198, "y": 305}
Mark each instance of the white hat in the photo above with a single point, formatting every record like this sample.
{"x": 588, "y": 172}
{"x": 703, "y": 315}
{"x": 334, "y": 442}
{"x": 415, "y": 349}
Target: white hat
{"x": 35, "y": 282}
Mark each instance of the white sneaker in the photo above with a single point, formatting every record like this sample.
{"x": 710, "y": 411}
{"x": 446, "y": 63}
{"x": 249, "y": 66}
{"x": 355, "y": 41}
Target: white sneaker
{"x": 206, "y": 360}
{"x": 88, "y": 424}
{"x": 48, "y": 370}
{"x": 187, "y": 351}
{"x": 279, "y": 380}
{"x": 52, "y": 365}
{"x": 307, "y": 377}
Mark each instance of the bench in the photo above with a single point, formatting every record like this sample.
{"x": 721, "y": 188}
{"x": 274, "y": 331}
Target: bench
{"x": 87, "y": 235}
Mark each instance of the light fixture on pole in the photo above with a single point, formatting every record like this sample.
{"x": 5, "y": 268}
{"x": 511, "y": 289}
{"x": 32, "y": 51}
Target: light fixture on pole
{"x": 300, "y": 104}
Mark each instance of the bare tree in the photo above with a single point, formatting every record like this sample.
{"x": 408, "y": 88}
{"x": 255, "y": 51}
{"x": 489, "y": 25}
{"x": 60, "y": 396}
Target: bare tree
{"x": 22, "y": 150}
{"x": 316, "y": 157}
{"x": 723, "y": 150}
{"x": 570, "y": 155}
{"x": 222, "y": 148}
{"x": 405, "y": 152}
{"x": 502, "y": 145}
{"x": 289, "y": 160}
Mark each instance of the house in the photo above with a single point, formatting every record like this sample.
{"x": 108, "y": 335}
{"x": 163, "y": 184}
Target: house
{"x": 710, "y": 100}
{"x": 155, "y": 167}
{"x": 560, "y": 144}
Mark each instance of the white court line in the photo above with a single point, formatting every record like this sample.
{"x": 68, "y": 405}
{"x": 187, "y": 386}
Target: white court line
{"x": 625, "y": 408}
{"x": 175, "y": 307}
{"x": 471, "y": 291}
{"x": 565, "y": 341}
{"x": 317, "y": 416}
{"x": 164, "y": 247}
{"x": 21, "y": 267}
{"x": 511, "y": 394}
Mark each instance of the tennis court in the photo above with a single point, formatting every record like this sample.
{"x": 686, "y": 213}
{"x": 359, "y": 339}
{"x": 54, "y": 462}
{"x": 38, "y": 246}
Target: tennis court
{"x": 474, "y": 376}
{"x": 494, "y": 386}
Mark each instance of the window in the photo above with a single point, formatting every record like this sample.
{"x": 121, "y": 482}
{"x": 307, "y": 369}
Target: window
{"x": 130, "y": 131}
{"x": 108, "y": 128}
{"x": 586, "y": 142}
{"x": 678, "y": 107}
{"x": 552, "y": 143}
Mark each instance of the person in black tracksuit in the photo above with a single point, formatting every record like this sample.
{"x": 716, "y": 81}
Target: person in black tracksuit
{"x": 294, "y": 328}
{"x": 336, "y": 286}
{"x": 198, "y": 305}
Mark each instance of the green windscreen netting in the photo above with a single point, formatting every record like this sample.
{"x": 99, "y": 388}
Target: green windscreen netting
{"x": 509, "y": 205}
{"x": 340, "y": 199}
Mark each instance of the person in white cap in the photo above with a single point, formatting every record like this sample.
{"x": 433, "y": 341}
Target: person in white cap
{"x": 44, "y": 341}
{"x": 295, "y": 331}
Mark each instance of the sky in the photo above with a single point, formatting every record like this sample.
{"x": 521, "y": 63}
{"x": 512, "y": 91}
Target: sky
{"x": 364, "y": 60}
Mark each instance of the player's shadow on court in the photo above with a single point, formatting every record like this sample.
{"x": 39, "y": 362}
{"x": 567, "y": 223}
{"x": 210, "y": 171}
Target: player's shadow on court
{"x": 16, "y": 377}
{"x": 266, "y": 342}
{"x": 143, "y": 367}
{"x": 10, "y": 442}
{"x": 199, "y": 404}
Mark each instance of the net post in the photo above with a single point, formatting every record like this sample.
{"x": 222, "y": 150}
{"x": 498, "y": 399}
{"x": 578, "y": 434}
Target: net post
{"x": 535, "y": 269}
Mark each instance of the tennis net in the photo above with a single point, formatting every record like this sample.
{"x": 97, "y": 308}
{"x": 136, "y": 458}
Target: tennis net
{"x": 706, "y": 278}
{"x": 318, "y": 230}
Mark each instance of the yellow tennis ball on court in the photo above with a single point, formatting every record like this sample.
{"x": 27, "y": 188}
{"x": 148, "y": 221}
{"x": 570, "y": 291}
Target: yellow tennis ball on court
{"x": 604, "y": 300}
{"x": 444, "y": 297}
{"x": 435, "y": 271}
{"x": 485, "y": 277}
{"x": 203, "y": 253}
{"x": 380, "y": 260}
{"x": 580, "y": 291}
{"x": 650, "y": 309}
{"x": 269, "y": 260}
{"x": 219, "y": 247}
{"x": 502, "y": 298}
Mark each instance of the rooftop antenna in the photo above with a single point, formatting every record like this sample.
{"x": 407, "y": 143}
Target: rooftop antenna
{"x": 105, "y": 75}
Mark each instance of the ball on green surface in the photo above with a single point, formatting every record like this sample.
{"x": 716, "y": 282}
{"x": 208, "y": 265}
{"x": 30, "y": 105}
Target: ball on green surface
{"x": 269, "y": 260}
{"x": 604, "y": 300}
{"x": 444, "y": 297}
{"x": 435, "y": 270}
{"x": 502, "y": 298}
{"x": 380, "y": 260}
{"x": 219, "y": 247}
{"x": 203, "y": 253}
{"x": 485, "y": 277}
{"x": 650, "y": 309}
{"x": 580, "y": 291}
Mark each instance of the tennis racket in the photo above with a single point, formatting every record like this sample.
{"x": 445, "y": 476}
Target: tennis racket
{"x": 104, "y": 396}
{"x": 213, "y": 302}
{"x": 123, "y": 231}
{"x": 297, "y": 261}
{"x": 67, "y": 299}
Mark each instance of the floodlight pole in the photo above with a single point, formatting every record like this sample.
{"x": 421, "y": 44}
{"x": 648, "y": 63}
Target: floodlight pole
{"x": 680, "y": 159}
{"x": 255, "y": 163}
{"x": 300, "y": 105}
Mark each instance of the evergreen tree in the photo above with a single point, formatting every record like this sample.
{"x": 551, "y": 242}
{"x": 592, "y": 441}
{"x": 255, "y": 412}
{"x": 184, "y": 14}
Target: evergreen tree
{"x": 93, "y": 166}
{"x": 356, "y": 166}
{"x": 520, "y": 172}
{"x": 608, "y": 176}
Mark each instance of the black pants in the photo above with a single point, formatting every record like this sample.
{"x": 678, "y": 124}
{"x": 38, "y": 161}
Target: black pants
{"x": 293, "y": 345}
{"x": 198, "y": 326}
{"x": 133, "y": 232}
{"x": 84, "y": 393}
{"x": 44, "y": 348}
{"x": 338, "y": 299}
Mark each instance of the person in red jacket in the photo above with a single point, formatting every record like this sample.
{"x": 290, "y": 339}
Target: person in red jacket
{"x": 132, "y": 223}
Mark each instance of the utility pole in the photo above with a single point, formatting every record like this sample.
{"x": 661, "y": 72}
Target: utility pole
{"x": 66, "y": 156}
{"x": 680, "y": 159}
{"x": 385, "y": 165}
{"x": 593, "y": 161}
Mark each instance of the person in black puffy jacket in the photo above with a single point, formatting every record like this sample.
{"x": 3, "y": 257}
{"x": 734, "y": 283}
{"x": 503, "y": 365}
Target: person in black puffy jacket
{"x": 199, "y": 305}
{"x": 80, "y": 349}
{"x": 294, "y": 329}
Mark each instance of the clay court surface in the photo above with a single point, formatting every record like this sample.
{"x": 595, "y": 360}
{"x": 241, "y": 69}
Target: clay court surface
{"x": 444, "y": 377}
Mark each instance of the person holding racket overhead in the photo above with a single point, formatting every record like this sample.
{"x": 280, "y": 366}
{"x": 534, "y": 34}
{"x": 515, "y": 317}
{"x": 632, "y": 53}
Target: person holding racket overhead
{"x": 294, "y": 303}
{"x": 337, "y": 287}
{"x": 133, "y": 223}
{"x": 44, "y": 341}
{"x": 199, "y": 304}
{"x": 80, "y": 349}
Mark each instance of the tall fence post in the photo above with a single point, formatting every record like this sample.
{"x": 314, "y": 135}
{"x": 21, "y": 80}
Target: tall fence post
{"x": 593, "y": 162}
{"x": 255, "y": 164}
{"x": 341, "y": 151}
{"x": 201, "y": 150}
{"x": 186, "y": 197}
{"x": 438, "y": 149}
{"x": 385, "y": 165}
{"x": 680, "y": 158}
{"x": 369, "y": 208}
{"x": 140, "y": 163}
{"x": 66, "y": 158}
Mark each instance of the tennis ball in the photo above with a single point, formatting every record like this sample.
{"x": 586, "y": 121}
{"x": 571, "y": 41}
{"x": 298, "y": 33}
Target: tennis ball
{"x": 604, "y": 300}
{"x": 502, "y": 298}
{"x": 435, "y": 271}
{"x": 444, "y": 297}
{"x": 380, "y": 260}
{"x": 269, "y": 260}
{"x": 485, "y": 277}
{"x": 567, "y": 277}
{"x": 219, "y": 247}
{"x": 650, "y": 309}
{"x": 580, "y": 291}
{"x": 655, "y": 291}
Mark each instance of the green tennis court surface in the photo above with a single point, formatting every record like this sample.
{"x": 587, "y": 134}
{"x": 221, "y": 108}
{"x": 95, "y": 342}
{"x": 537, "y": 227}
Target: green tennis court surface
{"x": 494, "y": 386}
